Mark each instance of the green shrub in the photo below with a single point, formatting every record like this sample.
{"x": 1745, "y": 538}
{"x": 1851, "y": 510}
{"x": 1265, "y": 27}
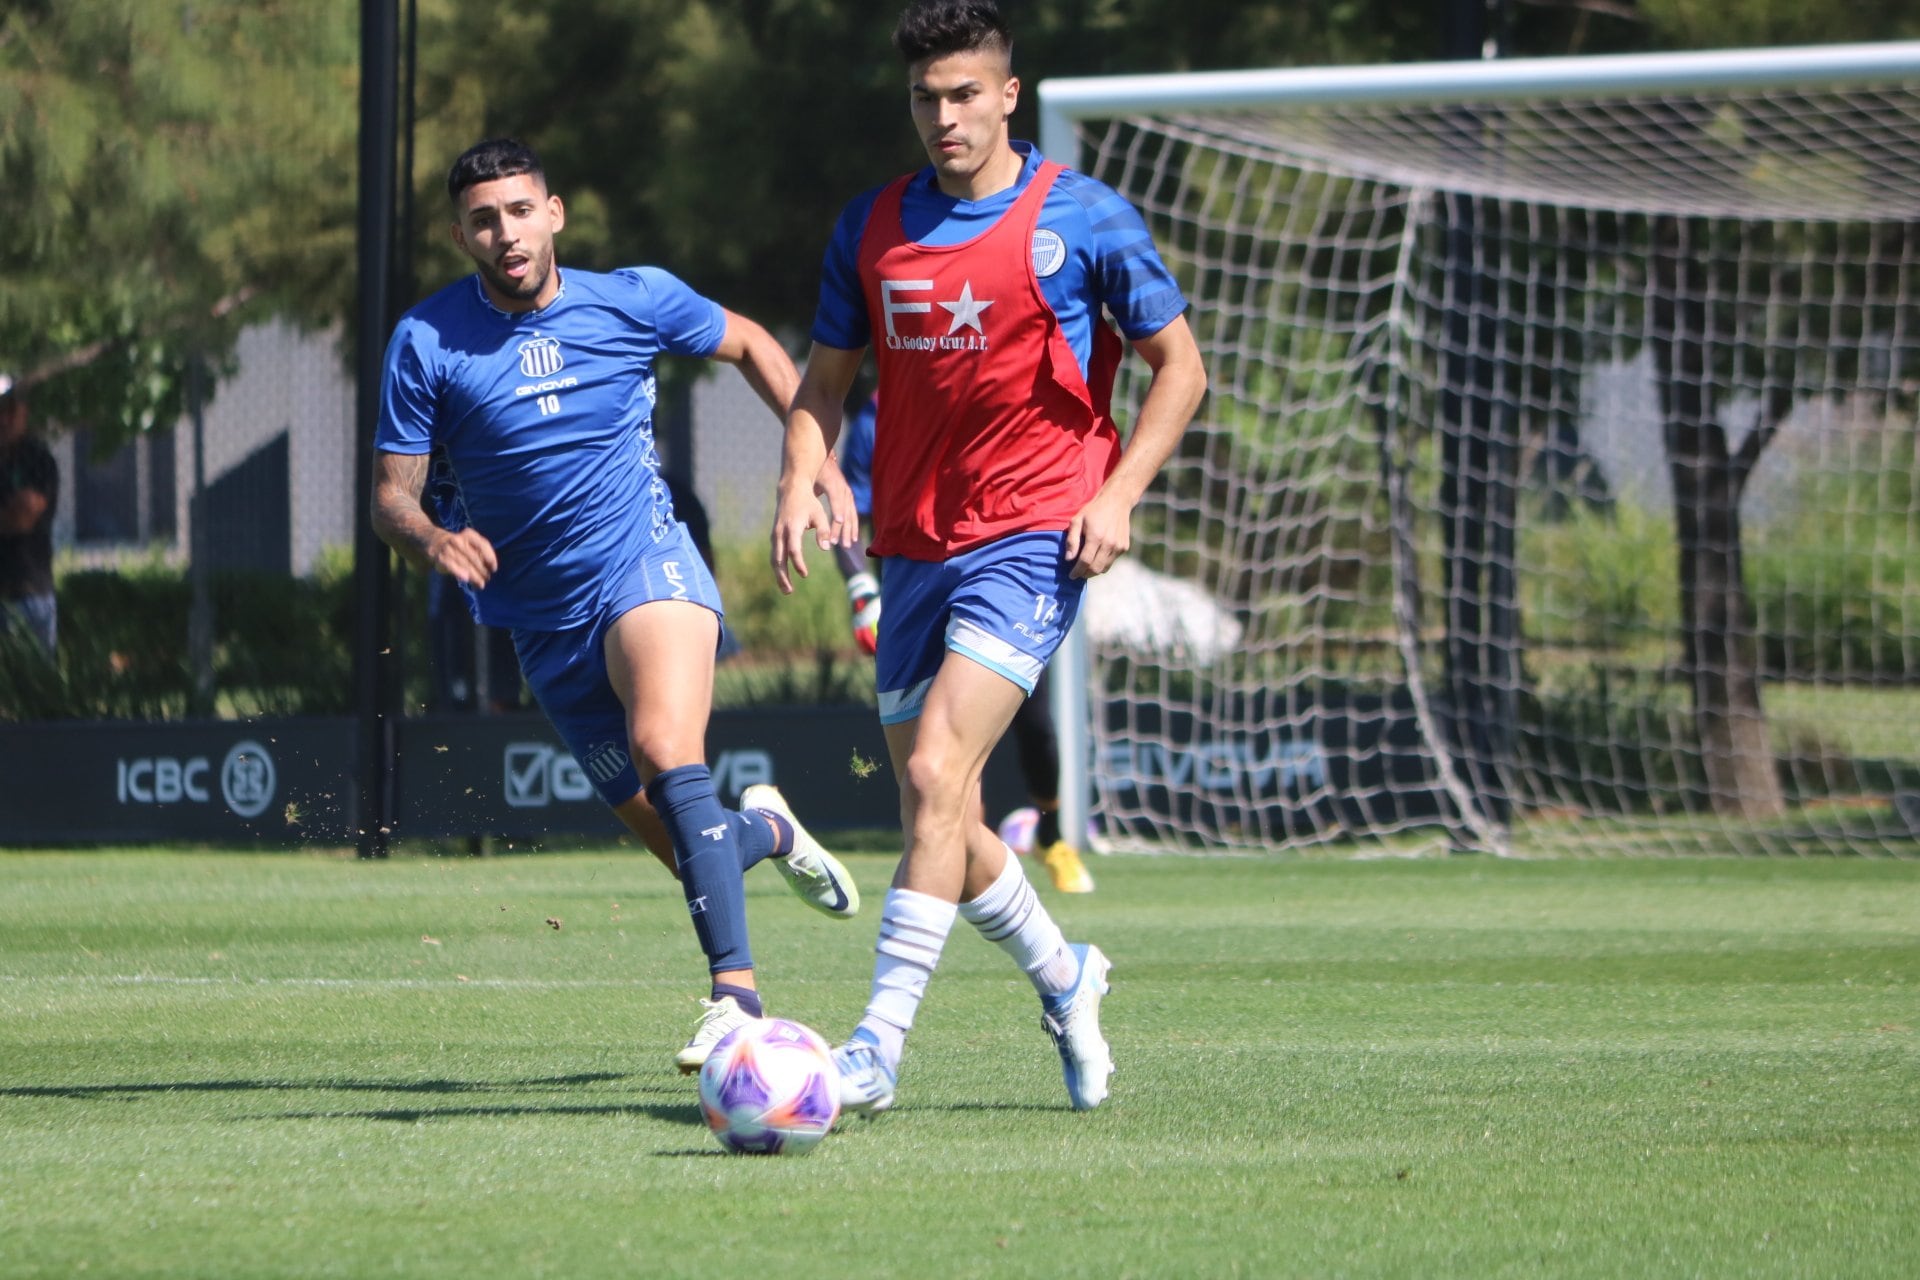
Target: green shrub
{"x": 794, "y": 649}
{"x": 830, "y": 678}
{"x": 1836, "y": 586}
{"x": 769, "y": 625}
{"x": 1615, "y": 741}
{"x": 1599, "y": 580}
{"x": 284, "y": 645}
{"x": 281, "y": 646}
{"x": 1838, "y": 596}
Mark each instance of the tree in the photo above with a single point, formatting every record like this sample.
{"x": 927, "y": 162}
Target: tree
{"x": 1721, "y": 658}
{"x": 168, "y": 172}
{"x": 1735, "y": 24}
{"x": 172, "y": 171}
{"x": 723, "y": 137}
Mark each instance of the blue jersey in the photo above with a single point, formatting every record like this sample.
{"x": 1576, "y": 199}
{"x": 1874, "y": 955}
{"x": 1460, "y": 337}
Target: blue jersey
{"x": 1090, "y": 250}
{"x": 855, "y": 450}
{"x": 542, "y": 428}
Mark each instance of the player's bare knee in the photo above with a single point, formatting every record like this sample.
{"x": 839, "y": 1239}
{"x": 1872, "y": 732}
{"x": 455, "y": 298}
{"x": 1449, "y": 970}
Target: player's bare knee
{"x": 938, "y": 780}
{"x": 656, "y": 750}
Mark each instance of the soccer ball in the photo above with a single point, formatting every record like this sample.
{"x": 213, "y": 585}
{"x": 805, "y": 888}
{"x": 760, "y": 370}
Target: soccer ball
{"x": 769, "y": 1087}
{"x": 1016, "y": 830}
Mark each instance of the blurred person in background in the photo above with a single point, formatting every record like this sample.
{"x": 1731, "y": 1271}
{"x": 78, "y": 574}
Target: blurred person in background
{"x": 29, "y": 492}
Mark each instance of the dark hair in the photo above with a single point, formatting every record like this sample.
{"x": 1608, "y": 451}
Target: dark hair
{"x": 937, "y": 28}
{"x": 490, "y": 160}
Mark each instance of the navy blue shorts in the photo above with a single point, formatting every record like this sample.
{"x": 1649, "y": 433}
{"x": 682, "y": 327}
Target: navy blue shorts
{"x": 1007, "y": 605}
{"x": 567, "y": 670}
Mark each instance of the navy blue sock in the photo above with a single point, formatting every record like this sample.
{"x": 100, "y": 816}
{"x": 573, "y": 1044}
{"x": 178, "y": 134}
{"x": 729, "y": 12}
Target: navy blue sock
{"x": 746, "y": 997}
{"x": 755, "y": 840}
{"x": 781, "y": 843}
{"x": 703, "y": 837}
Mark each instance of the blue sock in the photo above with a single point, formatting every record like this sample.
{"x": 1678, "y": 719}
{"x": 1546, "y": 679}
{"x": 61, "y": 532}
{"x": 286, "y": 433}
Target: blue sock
{"x": 704, "y": 839}
{"x": 746, "y": 997}
{"x": 755, "y": 840}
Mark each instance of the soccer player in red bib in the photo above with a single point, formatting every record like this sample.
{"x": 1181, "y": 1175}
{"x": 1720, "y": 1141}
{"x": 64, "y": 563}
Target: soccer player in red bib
{"x": 1000, "y": 486}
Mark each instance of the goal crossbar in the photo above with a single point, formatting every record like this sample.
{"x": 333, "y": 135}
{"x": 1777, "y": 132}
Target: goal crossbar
{"x": 1064, "y": 100}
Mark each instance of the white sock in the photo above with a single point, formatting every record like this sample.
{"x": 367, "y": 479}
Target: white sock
{"x": 1009, "y": 914}
{"x": 913, "y": 931}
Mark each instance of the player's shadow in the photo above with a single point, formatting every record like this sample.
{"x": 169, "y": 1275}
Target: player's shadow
{"x": 84, "y": 1092}
{"x": 669, "y": 1113}
{"x": 677, "y": 1112}
{"x": 1036, "y": 1108}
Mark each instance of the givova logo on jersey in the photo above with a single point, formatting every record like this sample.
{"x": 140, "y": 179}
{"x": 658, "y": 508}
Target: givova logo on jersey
{"x": 541, "y": 358}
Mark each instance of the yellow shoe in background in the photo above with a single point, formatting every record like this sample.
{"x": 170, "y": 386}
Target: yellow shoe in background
{"x": 1070, "y": 875}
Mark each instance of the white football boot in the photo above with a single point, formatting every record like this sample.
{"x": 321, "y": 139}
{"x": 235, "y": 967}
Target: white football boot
{"x": 1073, "y": 1020}
{"x": 722, "y": 1016}
{"x": 811, "y": 872}
{"x": 866, "y": 1081}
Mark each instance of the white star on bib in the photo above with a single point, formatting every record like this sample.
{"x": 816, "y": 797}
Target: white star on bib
{"x": 966, "y": 311}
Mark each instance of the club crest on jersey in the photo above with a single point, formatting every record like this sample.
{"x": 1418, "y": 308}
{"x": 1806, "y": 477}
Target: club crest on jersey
{"x": 965, "y": 331}
{"x": 1049, "y": 252}
{"x": 605, "y": 761}
{"x": 541, "y": 358}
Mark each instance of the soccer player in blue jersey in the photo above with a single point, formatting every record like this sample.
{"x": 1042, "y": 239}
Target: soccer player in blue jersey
{"x": 553, "y": 516}
{"x": 999, "y": 486}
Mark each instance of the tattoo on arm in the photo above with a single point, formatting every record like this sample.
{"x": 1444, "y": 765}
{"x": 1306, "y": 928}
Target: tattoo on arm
{"x": 398, "y": 481}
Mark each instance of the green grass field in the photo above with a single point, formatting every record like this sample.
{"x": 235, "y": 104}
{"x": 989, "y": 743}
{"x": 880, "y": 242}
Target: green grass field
{"x": 298, "y": 1065}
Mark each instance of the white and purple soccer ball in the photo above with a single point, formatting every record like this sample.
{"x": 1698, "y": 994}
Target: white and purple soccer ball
{"x": 770, "y": 1087}
{"x": 1016, "y": 830}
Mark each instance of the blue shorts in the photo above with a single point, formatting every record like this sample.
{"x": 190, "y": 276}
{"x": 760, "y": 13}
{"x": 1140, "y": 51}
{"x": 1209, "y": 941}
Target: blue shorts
{"x": 567, "y": 670}
{"x": 1006, "y": 605}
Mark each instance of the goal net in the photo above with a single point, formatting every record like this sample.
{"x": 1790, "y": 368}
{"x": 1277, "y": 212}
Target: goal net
{"x": 1558, "y": 476}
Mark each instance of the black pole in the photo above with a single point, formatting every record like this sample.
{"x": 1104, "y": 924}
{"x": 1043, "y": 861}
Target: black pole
{"x": 404, "y": 282}
{"x": 200, "y": 548}
{"x": 401, "y": 638}
{"x": 372, "y": 563}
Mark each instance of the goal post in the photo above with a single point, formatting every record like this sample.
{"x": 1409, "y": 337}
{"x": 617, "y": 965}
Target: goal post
{"x": 1558, "y": 472}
